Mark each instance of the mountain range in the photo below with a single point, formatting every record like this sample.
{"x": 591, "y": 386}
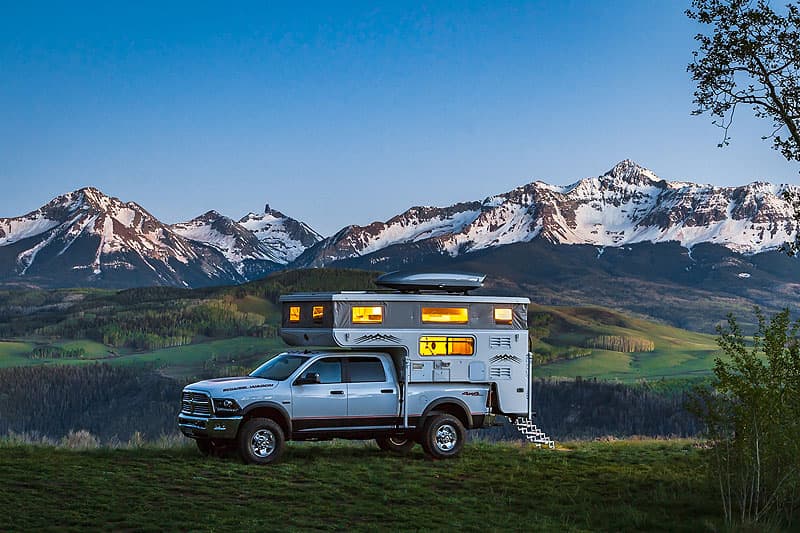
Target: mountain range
{"x": 533, "y": 233}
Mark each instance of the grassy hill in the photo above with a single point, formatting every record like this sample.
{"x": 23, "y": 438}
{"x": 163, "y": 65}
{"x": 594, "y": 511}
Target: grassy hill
{"x": 672, "y": 352}
{"x": 621, "y": 486}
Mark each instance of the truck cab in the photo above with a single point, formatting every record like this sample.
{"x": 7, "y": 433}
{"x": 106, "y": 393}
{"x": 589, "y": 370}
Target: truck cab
{"x": 404, "y": 366}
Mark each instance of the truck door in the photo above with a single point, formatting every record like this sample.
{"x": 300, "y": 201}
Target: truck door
{"x": 318, "y": 405}
{"x": 372, "y": 392}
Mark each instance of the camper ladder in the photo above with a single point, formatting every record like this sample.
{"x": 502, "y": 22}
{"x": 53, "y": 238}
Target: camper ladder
{"x": 533, "y": 433}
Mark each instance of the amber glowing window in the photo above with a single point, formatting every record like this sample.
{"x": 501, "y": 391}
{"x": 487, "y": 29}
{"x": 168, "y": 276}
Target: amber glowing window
{"x": 445, "y": 315}
{"x": 430, "y": 345}
{"x": 294, "y": 313}
{"x": 502, "y": 315}
{"x": 316, "y": 313}
{"x": 368, "y": 315}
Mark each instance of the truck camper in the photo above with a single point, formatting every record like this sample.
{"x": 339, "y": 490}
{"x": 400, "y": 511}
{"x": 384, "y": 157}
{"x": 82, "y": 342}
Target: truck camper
{"x": 421, "y": 362}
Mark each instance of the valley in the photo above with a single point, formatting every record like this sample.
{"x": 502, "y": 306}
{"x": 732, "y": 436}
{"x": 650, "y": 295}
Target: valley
{"x": 187, "y": 333}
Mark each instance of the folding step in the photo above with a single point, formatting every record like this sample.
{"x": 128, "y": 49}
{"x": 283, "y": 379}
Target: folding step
{"x": 532, "y": 433}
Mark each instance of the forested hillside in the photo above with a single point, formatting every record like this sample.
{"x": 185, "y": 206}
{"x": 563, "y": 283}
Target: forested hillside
{"x": 114, "y": 402}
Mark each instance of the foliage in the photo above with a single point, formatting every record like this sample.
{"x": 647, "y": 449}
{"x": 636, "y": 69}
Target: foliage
{"x": 587, "y": 409}
{"x": 57, "y": 352}
{"x": 750, "y": 58}
{"x": 752, "y": 415}
{"x": 620, "y": 343}
{"x": 105, "y": 400}
{"x": 636, "y": 486}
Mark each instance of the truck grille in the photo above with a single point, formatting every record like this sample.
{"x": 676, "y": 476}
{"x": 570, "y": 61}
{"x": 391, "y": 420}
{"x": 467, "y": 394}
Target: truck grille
{"x": 195, "y": 403}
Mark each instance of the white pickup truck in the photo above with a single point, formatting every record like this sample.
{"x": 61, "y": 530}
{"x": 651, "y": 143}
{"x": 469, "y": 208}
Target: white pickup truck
{"x": 325, "y": 395}
{"x": 419, "y": 364}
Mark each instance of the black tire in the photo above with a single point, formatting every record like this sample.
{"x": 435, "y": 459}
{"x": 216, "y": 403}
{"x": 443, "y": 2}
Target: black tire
{"x": 204, "y": 446}
{"x": 443, "y": 436}
{"x": 261, "y": 441}
{"x": 398, "y": 445}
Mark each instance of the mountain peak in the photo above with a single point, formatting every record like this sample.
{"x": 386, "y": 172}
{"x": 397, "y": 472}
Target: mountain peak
{"x": 630, "y": 171}
{"x": 209, "y": 216}
{"x": 94, "y": 195}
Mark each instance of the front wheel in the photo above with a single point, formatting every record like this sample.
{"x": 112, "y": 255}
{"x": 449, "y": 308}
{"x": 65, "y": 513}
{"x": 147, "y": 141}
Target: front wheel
{"x": 261, "y": 441}
{"x": 443, "y": 436}
{"x": 398, "y": 445}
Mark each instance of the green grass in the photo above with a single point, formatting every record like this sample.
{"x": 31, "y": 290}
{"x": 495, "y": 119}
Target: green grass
{"x": 678, "y": 353}
{"x": 178, "y": 362}
{"x": 92, "y": 349}
{"x": 623, "y": 486}
{"x": 185, "y": 361}
{"x": 14, "y": 353}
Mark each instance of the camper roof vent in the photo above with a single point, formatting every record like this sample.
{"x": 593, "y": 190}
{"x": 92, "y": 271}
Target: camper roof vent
{"x": 431, "y": 281}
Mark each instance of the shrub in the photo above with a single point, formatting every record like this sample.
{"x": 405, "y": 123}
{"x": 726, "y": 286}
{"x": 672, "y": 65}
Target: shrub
{"x": 752, "y": 417}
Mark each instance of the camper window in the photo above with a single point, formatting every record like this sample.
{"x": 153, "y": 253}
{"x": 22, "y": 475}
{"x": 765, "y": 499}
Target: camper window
{"x": 368, "y": 315}
{"x": 316, "y": 313}
{"x": 503, "y": 315}
{"x": 447, "y": 315}
{"x": 434, "y": 345}
{"x": 294, "y": 313}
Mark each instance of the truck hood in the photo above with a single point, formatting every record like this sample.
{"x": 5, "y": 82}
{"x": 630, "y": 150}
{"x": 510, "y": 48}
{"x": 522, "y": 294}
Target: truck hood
{"x": 219, "y": 387}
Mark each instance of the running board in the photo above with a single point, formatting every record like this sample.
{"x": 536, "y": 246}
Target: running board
{"x": 532, "y": 433}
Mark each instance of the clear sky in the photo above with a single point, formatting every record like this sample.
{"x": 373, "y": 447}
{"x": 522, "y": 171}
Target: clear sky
{"x": 340, "y": 112}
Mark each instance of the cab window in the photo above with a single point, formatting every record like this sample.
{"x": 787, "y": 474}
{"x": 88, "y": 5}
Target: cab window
{"x": 365, "y": 369}
{"x": 329, "y": 370}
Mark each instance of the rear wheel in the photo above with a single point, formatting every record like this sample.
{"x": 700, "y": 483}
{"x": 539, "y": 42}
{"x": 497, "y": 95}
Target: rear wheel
{"x": 399, "y": 445}
{"x": 261, "y": 441}
{"x": 443, "y": 436}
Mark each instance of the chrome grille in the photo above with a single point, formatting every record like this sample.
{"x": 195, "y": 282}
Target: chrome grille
{"x": 195, "y": 403}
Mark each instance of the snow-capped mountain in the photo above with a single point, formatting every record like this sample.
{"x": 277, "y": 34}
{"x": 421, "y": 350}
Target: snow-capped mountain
{"x": 87, "y": 238}
{"x": 250, "y": 257}
{"x": 285, "y": 237}
{"x": 628, "y": 204}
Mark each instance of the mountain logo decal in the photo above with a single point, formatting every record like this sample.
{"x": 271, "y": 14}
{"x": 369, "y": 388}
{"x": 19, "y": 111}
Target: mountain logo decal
{"x": 506, "y": 358}
{"x": 376, "y": 337}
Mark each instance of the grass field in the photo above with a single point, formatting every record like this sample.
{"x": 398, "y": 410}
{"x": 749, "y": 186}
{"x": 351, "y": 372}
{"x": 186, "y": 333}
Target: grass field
{"x": 178, "y": 362}
{"x": 678, "y": 353}
{"x": 622, "y": 486}
{"x": 185, "y": 361}
{"x": 14, "y": 353}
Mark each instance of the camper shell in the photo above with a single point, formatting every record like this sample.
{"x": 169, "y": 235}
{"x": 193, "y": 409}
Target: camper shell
{"x": 432, "y": 337}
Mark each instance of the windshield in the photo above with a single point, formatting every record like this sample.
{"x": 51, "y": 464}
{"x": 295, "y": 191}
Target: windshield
{"x": 280, "y": 367}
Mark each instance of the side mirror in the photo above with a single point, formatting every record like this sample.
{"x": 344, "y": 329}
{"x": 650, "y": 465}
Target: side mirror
{"x": 310, "y": 378}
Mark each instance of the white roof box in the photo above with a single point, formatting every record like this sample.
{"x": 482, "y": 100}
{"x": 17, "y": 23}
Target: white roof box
{"x": 431, "y": 281}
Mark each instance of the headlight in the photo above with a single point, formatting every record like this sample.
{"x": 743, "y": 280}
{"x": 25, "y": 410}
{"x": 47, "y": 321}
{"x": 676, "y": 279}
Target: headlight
{"x": 226, "y": 405}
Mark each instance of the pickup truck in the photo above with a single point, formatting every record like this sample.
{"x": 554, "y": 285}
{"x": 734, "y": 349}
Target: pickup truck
{"x": 308, "y": 395}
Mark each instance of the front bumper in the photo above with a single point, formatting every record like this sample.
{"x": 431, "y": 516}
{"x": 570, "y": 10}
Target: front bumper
{"x": 198, "y": 427}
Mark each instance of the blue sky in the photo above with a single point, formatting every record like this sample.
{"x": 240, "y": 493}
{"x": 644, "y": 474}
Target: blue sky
{"x": 341, "y": 112}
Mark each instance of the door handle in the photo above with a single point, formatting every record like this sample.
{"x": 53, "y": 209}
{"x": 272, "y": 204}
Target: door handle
{"x": 387, "y": 391}
{"x": 337, "y": 392}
